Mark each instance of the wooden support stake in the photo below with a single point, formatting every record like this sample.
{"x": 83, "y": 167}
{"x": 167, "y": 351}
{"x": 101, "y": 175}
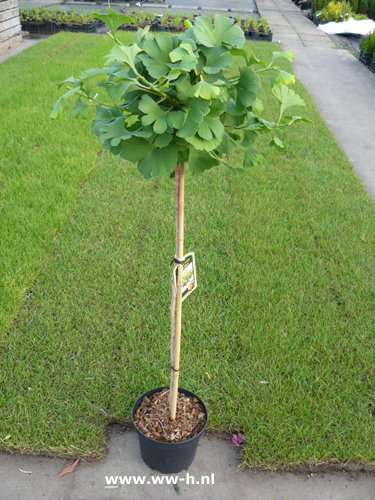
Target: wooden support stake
{"x": 180, "y": 254}
{"x": 174, "y": 289}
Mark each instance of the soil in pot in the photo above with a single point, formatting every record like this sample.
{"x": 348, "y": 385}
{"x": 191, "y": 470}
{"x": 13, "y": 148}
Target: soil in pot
{"x": 152, "y": 418}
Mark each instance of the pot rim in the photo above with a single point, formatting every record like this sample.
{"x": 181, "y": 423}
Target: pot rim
{"x": 161, "y": 443}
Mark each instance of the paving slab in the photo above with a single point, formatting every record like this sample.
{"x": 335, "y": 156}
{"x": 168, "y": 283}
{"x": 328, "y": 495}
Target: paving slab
{"x": 276, "y": 28}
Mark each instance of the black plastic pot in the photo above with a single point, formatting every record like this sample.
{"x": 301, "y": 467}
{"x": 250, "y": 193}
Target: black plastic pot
{"x": 167, "y": 457}
{"x": 365, "y": 59}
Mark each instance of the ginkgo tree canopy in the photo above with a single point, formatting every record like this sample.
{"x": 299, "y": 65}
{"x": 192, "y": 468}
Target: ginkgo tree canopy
{"x": 169, "y": 99}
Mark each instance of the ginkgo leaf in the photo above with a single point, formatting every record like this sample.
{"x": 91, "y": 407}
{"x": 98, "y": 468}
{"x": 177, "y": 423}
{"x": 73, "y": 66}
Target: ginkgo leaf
{"x": 183, "y": 66}
{"x": 278, "y": 144}
{"x": 142, "y": 34}
{"x": 134, "y": 149}
{"x": 200, "y": 105}
{"x": 156, "y": 55}
{"x": 125, "y": 54}
{"x": 163, "y": 140}
{"x": 203, "y": 31}
{"x": 252, "y": 157}
{"x": 189, "y": 128}
{"x": 179, "y": 53}
{"x": 159, "y": 162}
{"x": 160, "y": 125}
{"x": 232, "y": 36}
{"x": 204, "y": 90}
{"x": 152, "y": 110}
{"x": 57, "y": 110}
{"x": 89, "y": 82}
{"x": 118, "y": 90}
{"x": 81, "y": 110}
{"x": 297, "y": 119}
{"x": 199, "y": 161}
{"x": 116, "y": 129}
{"x": 176, "y": 119}
{"x": 247, "y": 88}
{"x": 217, "y": 59}
{"x": 288, "y": 54}
{"x": 202, "y": 144}
{"x": 113, "y": 20}
{"x": 286, "y": 97}
{"x": 204, "y": 131}
{"x": 222, "y": 32}
{"x": 285, "y": 78}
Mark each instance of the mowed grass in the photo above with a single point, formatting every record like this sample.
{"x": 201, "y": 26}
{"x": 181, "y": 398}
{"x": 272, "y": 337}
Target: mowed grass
{"x": 41, "y": 163}
{"x": 286, "y": 288}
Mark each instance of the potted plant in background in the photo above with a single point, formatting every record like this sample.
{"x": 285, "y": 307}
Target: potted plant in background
{"x": 367, "y": 49}
{"x": 172, "y": 109}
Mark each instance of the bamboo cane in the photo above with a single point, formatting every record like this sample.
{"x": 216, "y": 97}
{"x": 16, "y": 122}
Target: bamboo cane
{"x": 174, "y": 289}
{"x": 180, "y": 254}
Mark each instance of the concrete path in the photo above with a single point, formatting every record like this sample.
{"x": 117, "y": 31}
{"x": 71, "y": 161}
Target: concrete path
{"x": 344, "y": 92}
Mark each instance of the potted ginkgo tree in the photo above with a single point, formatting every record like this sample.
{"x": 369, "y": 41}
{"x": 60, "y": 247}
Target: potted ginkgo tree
{"x": 171, "y": 108}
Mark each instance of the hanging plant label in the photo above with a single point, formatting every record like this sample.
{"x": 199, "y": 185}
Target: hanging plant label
{"x": 189, "y": 275}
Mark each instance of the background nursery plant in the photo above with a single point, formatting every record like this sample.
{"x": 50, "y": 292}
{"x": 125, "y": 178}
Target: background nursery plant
{"x": 166, "y": 104}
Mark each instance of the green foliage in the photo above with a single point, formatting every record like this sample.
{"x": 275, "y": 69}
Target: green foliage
{"x": 318, "y": 5}
{"x": 363, "y": 6}
{"x": 265, "y": 24}
{"x": 253, "y": 24}
{"x": 169, "y": 100}
{"x": 337, "y": 12}
{"x": 165, "y": 17}
{"x": 177, "y": 19}
{"x": 40, "y": 14}
{"x": 367, "y": 44}
{"x": 354, "y": 5}
{"x": 246, "y": 23}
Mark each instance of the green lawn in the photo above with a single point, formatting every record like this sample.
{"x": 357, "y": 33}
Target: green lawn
{"x": 291, "y": 301}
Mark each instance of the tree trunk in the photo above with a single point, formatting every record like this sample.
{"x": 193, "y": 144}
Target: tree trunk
{"x": 177, "y": 290}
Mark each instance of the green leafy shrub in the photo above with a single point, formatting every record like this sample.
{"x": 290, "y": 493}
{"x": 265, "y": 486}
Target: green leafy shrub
{"x": 319, "y": 5}
{"x": 254, "y": 24}
{"x": 150, "y": 16}
{"x": 177, "y": 19}
{"x": 367, "y": 44}
{"x": 337, "y": 12}
{"x": 363, "y": 6}
{"x": 246, "y": 23}
{"x": 60, "y": 16}
{"x": 165, "y": 17}
{"x": 264, "y": 24}
{"x": 170, "y": 101}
